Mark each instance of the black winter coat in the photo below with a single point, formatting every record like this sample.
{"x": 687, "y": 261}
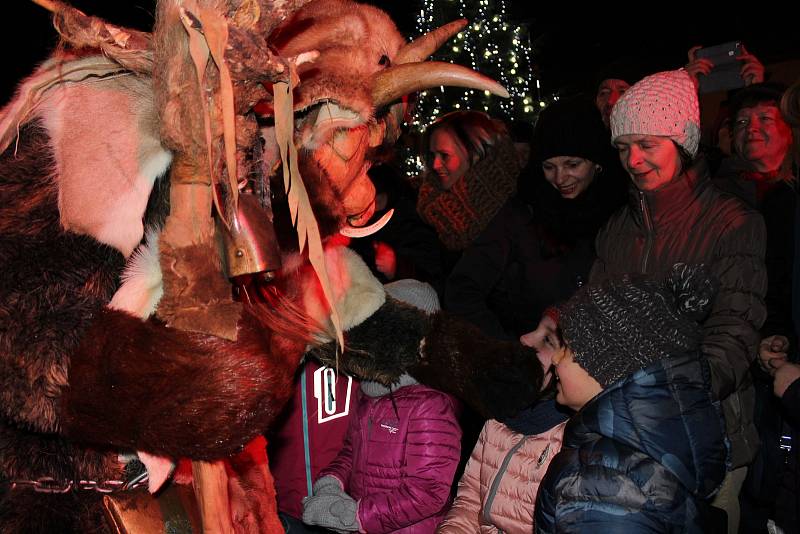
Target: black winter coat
{"x": 691, "y": 221}
{"x": 505, "y": 279}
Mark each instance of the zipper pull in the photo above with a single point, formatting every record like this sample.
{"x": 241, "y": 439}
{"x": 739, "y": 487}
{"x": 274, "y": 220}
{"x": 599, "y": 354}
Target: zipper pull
{"x": 543, "y": 456}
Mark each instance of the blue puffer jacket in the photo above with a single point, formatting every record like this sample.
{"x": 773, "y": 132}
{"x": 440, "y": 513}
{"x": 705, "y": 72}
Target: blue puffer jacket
{"x": 642, "y": 456}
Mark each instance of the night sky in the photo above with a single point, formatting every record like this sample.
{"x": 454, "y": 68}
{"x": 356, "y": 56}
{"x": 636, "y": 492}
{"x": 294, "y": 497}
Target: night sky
{"x": 571, "y": 45}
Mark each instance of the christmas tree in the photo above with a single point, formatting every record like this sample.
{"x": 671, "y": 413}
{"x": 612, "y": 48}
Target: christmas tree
{"x": 490, "y": 44}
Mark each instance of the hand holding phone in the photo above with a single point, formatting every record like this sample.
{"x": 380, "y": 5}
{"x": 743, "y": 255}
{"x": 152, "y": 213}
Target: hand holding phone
{"x": 722, "y": 67}
{"x": 698, "y": 66}
{"x": 752, "y": 70}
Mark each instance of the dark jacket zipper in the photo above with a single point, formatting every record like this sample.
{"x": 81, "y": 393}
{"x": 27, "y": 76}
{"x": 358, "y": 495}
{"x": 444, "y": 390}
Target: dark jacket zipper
{"x": 649, "y": 231}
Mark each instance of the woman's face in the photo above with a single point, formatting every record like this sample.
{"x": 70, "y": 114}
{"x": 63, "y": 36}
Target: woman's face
{"x": 575, "y": 386}
{"x": 570, "y": 175}
{"x": 449, "y": 159}
{"x": 651, "y": 161}
{"x": 761, "y": 136}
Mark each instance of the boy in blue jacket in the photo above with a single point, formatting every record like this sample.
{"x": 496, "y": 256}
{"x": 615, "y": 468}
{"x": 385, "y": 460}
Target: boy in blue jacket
{"x": 646, "y": 449}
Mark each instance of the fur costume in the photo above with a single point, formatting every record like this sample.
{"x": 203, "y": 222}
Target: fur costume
{"x": 88, "y": 367}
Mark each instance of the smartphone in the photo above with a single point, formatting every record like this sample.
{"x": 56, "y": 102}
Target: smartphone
{"x": 726, "y": 72}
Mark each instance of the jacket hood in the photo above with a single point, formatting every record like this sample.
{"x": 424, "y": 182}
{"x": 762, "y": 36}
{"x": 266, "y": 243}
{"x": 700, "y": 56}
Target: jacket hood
{"x": 666, "y": 412}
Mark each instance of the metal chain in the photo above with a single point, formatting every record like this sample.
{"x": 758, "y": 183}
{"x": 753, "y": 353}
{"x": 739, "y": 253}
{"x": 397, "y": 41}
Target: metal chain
{"x": 51, "y": 485}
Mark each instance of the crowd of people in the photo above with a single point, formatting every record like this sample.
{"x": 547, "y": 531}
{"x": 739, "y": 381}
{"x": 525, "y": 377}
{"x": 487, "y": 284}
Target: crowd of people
{"x": 656, "y": 277}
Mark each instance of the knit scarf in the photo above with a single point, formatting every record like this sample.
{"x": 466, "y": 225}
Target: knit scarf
{"x": 460, "y": 214}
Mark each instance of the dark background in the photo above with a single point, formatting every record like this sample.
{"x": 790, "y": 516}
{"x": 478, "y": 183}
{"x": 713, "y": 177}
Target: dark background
{"x": 572, "y": 46}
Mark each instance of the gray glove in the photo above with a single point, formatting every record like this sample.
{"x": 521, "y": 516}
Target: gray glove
{"x": 327, "y": 485}
{"x": 335, "y": 512}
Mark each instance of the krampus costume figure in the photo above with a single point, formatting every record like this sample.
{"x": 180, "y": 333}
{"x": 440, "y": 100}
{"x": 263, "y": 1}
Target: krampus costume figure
{"x": 118, "y": 332}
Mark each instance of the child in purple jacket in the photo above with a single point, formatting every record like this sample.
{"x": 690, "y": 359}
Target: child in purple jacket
{"x": 400, "y": 455}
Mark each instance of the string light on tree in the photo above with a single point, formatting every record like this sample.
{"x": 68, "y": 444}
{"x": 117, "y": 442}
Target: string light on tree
{"x": 490, "y": 44}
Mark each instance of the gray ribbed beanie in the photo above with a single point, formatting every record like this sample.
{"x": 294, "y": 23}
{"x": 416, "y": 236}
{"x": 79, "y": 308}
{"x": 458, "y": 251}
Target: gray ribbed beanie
{"x": 621, "y": 325}
{"x": 418, "y": 294}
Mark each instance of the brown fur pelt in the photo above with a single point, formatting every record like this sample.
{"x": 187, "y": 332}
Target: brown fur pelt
{"x": 496, "y": 378}
{"x": 251, "y": 490}
{"x": 28, "y": 455}
{"x": 177, "y": 90}
{"x": 384, "y": 346}
{"x": 53, "y": 282}
{"x": 128, "y": 47}
{"x": 28, "y": 512}
{"x": 192, "y": 395}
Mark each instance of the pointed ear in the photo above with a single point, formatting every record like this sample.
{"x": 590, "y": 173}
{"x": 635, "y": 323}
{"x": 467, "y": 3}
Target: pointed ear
{"x": 108, "y": 154}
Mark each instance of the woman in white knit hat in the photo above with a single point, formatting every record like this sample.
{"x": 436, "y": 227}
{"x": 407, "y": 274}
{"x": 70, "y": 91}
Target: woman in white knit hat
{"x": 675, "y": 215}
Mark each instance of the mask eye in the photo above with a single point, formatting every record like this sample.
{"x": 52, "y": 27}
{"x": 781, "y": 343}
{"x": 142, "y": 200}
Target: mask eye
{"x": 384, "y": 61}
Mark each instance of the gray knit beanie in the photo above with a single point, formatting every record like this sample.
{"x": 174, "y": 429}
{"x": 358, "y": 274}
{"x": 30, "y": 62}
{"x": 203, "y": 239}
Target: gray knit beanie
{"x": 621, "y": 325}
{"x": 664, "y": 104}
{"x": 418, "y": 294}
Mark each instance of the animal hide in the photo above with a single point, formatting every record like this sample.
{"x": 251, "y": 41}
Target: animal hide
{"x": 344, "y": 33}
{"x": 82, "y": 376}
{"x": 496, "y": 378}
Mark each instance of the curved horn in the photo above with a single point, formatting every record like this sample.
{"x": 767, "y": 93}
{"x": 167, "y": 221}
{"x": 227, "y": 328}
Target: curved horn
{"x": 397, "y": 81}
{"x": 424, "y": 46}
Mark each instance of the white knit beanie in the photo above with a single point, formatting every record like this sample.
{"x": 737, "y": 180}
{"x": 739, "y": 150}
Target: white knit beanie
{"x": 664, "y": 104}
{"x": 416, "y": 293}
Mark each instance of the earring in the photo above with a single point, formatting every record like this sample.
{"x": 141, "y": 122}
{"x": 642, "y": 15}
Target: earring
{"x": 598, "y": 168}
{"x": 559, "y": 355}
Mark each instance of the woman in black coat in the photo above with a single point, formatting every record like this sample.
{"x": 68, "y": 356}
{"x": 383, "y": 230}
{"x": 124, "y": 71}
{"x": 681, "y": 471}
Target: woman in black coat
{"x": 526, "y": 238}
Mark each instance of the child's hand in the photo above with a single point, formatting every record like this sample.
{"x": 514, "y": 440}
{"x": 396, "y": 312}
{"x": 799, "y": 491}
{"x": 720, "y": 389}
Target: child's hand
{"x": 327, "y": 485}
{"x": 541, "y": 339}
{"x": 335, "y": 512}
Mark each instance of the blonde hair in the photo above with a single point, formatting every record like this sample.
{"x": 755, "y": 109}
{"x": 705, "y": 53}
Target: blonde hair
{"x": 477, "y": 132}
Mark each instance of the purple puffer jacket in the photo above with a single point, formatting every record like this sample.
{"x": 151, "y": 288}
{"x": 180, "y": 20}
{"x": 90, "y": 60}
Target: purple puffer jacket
{"x": 399, "y": 464}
